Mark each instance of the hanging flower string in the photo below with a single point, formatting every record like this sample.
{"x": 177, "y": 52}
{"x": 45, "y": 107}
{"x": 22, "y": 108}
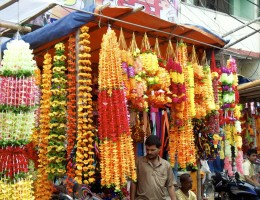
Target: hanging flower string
{"x": 72, "y": 114}
{"x": 85, "y": 168}
{"x": 18, "y": 99}
{"x": 116, "y": 164}
{"x": 56, "y": 139}
{"x": 184, "y": 146}
{"x": 43, "y": 187}
{"x": 232, "y": 125}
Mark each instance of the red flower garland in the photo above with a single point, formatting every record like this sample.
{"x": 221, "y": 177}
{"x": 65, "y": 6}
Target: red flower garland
{"x": 72, "y": 114}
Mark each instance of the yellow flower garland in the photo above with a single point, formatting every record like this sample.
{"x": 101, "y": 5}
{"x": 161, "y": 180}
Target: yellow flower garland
{"x": 43, "y": 187}
{"x": 85, "y": 139}
{"x": 56, "y": 149}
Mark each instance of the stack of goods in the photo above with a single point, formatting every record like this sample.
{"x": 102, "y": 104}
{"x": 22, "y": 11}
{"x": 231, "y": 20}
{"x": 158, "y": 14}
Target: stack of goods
{"x": 19, "y": 97}
{"x": 116, "y": 148}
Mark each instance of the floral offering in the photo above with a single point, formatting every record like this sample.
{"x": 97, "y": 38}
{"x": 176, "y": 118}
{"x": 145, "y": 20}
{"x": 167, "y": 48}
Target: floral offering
{"x": 58, "y": 111}
{"x": 116, "y": 164}
{"x": 18, "y": 60}
{"x": 85, "y": 168}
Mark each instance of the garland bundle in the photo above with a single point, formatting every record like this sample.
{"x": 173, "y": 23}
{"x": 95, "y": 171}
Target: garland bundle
{"x": 85, "y": 168}
{"x": 18, "y": 98}
{"x": 56, "y": 139}
{"x": 72, "y": 112}
{"x": 43, "y": 187}
{"x": 116, "y": 164}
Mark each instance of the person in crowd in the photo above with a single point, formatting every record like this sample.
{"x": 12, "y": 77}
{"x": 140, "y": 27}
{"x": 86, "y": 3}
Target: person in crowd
{"x": 154, "y": 174}
{"x": 249, "y": 168}
{"x": 185, "y": 193}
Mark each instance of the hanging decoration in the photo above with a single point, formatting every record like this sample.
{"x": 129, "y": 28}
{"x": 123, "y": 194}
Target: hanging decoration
{"x": 138, "y": 86}
{"x": 116, "y": 150}
{"x": 43, "y": 186}
{"x": 85, "y": 136}
{"x": 56, "y": 139}
{"x": 19, "y": 97}
{"x": 232, "y": 125}
{"x": 72, "y": 114}
{"x": 185, "y": 147}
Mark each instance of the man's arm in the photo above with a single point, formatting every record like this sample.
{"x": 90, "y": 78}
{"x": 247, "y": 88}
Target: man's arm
{"x": 132, "y": 190}
{"x": 171, "y": 191}
{"x": 251, "y": 180}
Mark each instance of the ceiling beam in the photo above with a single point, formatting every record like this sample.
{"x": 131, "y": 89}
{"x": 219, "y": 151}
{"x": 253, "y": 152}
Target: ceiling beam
{"x": 7, "y": 3}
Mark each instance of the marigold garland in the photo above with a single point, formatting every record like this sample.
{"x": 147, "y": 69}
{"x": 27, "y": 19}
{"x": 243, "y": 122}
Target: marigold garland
{"x": 43, "y": 187}
{"x": 56, "y": 139}
{"x": 85, "y": 168}
{"x": 116, "y": 164}
{"x": 72, "y": 114}
{"x": 185, "y": 147}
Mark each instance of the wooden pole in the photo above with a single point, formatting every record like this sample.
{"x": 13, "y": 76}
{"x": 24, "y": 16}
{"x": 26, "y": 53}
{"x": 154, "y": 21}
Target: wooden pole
{"x": 13, "y": 26}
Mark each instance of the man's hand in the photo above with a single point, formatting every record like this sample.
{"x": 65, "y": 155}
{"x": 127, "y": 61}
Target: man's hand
{"x": 171, "y": 191}
{"x": 132, "y": 190}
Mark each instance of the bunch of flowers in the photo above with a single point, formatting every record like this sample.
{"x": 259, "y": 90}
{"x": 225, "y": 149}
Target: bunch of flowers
{"x": 14, "y": 127}
{"x": 13, "y": 161}
{"x": 18, "y": 91}
{"x": 185, "y": 148}
{"x": 43, "y": 187}
{"x": 56, "y": 139}
{"x": 232, "y": 125}
{"x": 21, "y": 189}
{"x": 17, "y": 60}
{"x": 19, "y": 96}
{"x": 85, "y": 136}
{"x": 72, "y": 114}
{"x": 116, "y": 165}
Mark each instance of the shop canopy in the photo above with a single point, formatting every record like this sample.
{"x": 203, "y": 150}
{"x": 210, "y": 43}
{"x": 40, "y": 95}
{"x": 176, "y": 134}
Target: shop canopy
{"x": 249, "y": 92}
{"x": 131, "y": 21}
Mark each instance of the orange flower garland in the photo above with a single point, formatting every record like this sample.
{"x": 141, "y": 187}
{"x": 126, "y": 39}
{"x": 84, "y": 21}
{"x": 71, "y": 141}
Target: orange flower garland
{"x": 116, "y": 164}
{"x": 185, "y": 148}
{"x": 85, "y": 139}
{"x": 43, "y": 187}
{"x": 72, "y": 114}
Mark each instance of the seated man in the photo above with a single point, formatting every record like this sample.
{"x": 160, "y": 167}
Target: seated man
{"x": 249, "y": 168}
{"x": 185, "y": 193}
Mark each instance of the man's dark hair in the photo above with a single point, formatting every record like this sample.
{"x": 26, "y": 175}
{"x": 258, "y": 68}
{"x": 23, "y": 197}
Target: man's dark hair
{"x": 184, "y": 177}
{"x": 251, "y": 151}
{"x": 153, "y": 140}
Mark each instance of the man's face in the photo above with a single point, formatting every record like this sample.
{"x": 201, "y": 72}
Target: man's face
{"x": 152, "y": 152}
{"x": 252, "y": 158}
{"x": 187, "y": 184}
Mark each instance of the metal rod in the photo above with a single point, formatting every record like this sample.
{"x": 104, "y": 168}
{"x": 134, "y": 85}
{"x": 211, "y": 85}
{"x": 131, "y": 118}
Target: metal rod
{"x": 240, "y": 27}
{"x": 6, "y": 4}
{"x": 13, "y": 26}
{"x": 50, "y": 6}
{"x": 239, "y": 40}
{"x": 144, "y": 27}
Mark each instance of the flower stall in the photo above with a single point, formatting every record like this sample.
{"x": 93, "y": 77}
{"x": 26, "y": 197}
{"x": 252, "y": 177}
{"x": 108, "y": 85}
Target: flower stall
{"x": 99, "y": 90}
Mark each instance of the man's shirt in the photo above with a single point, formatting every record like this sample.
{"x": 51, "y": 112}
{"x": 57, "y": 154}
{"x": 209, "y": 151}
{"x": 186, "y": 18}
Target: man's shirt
{"x": 248, "y": 169}
{"x": 181, "y": 196}
{"x": 153, "y": 180}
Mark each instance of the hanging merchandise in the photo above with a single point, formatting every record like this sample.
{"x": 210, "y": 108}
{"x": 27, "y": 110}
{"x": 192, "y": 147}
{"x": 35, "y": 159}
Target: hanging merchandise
{"x": 116, "y": 149}
{"x": 19, "y": 97}
{"x": 138, "y": 85}
{"x": 184, "y": 145}
{"x": 56, "y": 149}
{"x": 85, "y": 168}
{"x": 43, "y": 186}
{"x": 72, "y": 114}
{"x": 232, "y": 127}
